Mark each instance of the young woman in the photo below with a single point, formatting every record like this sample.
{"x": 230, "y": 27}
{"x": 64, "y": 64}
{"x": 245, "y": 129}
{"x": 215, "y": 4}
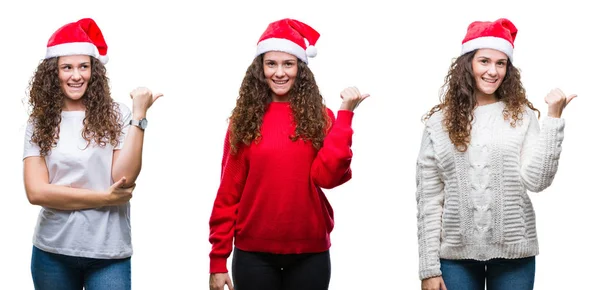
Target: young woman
{"x": 282, "y": 147}
{"x": 77, "y": 143}
{"x": 482, "y": 150}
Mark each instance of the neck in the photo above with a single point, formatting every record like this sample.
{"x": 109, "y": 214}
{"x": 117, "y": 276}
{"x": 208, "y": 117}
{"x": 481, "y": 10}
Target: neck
{"x": 279, "y": 99}
{"x": 72, "y": 105}
{"x": 485, "y": 99}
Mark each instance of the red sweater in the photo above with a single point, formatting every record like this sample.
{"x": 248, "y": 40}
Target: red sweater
{"x": 270, "y": 197}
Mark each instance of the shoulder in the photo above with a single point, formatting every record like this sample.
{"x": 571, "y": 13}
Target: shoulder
{"x": 435, "y": 119}
{"x": 330, "y": 113}
{"x": 123, "y": 110}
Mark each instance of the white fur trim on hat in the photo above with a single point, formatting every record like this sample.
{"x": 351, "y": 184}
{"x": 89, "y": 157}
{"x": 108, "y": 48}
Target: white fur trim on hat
{"x": 492, "y": 42}
{"x": 72, "y": 48}
{"x": 281, "y": 44}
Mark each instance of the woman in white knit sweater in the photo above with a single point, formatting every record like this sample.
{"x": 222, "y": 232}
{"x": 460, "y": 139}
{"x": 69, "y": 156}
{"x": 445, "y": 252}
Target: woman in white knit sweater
{"x": 482, "y": 150}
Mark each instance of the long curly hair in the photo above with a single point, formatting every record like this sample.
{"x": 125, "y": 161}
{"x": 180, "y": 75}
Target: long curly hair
{"x": 308, "y": 107}
{"x": 46, "y": 99}
{"x": 458, "y": 101}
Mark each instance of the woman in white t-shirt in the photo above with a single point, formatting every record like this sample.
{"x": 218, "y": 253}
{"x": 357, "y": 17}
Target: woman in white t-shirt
{"x": 81, "y": 160}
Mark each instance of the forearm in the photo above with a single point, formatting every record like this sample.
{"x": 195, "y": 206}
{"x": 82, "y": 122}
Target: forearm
{"x": 65, "y": 198}
{"x": 331, "y": 166}
{"x": 129, "y": 161}
{"x": 541, "y": 163}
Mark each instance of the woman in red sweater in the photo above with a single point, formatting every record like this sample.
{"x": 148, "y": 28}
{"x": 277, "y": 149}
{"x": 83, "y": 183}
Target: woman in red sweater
{"x": 282, "y": 146}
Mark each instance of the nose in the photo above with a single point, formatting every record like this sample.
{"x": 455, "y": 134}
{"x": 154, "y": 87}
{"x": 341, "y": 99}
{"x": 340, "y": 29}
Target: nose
{"x": 76, "y": 75}
{"x": 280, "y": 72}
{"x": 492, "y": 71}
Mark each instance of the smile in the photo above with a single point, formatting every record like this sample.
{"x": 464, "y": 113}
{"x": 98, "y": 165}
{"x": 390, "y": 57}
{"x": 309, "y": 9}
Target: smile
{"x": 280, "y": 82}
{"x": 492, "y": 81}
{"x": 75, "y": 85}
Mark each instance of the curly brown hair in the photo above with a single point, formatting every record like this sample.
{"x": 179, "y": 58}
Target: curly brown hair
{"x": 458, "y": 101}
{"x": 46, "y": 99}
{"x": 308, "y": 107}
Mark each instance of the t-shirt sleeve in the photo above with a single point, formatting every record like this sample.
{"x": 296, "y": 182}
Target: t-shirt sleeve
{"x": 125, "y": 118}
{"x": 30, "y": 148}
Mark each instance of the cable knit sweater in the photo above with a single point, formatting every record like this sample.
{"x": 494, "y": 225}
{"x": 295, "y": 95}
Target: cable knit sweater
{"x": 474, "y": 204}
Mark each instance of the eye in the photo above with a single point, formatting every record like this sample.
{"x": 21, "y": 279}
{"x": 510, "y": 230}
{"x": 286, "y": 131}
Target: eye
{"x": 501, "y": 63}
{"x": 66, "y": 67}
{"x": 289, "y": 64}
{"x": 84, "y": 66}
{"x": 484, "y": 61}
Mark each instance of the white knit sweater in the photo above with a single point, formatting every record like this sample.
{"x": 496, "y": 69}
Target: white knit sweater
{"x": 474, "y": 204}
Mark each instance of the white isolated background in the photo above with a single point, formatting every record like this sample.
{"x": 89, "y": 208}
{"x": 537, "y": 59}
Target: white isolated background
{"x": 399, "y": 52}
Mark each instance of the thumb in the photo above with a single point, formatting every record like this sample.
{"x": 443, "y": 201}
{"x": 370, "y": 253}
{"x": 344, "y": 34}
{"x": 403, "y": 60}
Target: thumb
{"x": 569, "y": 98}
{"x": 443, "y": 285}
{"x": 229, "y": 284}
{"x": 156, "y": 96}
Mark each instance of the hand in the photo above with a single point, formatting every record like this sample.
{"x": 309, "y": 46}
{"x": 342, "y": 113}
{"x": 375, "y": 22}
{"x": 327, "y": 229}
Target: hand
{"x": 433, "y": 283}
{"x": 117, "y": 194}
{"x": 143, "y": 99}
{"x": 351, "y": 98}
{"x": 557, "y": 101}
{"x": 217, "y": 281}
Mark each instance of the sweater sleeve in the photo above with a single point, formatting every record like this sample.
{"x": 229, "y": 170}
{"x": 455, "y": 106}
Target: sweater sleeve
{"x": 224, "y": 213}
{"x": 331, "y": 167}
{"x": 541, "y": 151}
{"x": 430, "y": 202}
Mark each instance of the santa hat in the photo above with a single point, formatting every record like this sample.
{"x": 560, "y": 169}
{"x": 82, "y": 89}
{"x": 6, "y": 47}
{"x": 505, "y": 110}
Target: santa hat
{"x": 288, "y": 35}
{"x": 499, "y": 35}
{"x": 81, "y": 37}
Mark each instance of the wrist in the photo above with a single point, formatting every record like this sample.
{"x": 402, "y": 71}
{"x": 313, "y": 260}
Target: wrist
{"x": 554, "y": 114}
{"x": 138, "y": 115}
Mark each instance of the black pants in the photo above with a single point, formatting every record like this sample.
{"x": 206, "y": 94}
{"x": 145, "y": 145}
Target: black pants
{"x": 264, "y": 271}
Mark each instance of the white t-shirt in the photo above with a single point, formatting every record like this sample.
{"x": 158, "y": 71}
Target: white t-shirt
{"x": 103, "y": 233}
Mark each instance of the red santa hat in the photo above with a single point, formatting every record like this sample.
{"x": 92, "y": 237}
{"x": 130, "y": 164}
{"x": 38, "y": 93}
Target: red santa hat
{"x": 81, "y": 37}
{"x": 288, "y": 35}
{"x": 499, "y": 35}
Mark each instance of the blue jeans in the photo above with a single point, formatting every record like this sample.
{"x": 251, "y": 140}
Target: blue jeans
{"x": 53, "y": 271}
{"x": 496, "y": 274}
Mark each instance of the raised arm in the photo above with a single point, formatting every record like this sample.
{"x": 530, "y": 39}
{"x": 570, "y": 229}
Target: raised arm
{"x": 127, "y": 157}
{"x": 331, "y": 166}
{"x": 541, "y": 148}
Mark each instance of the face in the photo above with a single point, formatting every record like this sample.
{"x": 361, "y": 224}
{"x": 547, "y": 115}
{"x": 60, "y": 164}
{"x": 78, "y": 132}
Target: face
{"x": 74, "y": 73}
{"x": 280, "y": 70}
{"x": 489, "y": 69}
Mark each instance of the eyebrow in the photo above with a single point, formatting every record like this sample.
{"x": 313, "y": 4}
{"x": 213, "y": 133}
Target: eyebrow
{"x": 285, "y": 60}
{"x": 485, "y": 57}
{"x": 66, "y": 63}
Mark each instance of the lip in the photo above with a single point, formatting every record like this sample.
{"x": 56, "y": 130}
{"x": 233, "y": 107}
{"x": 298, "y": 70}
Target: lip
{"x": 489, "y": 81}
{"x": 280, "y": 82}
{"x": 75, "y": 86}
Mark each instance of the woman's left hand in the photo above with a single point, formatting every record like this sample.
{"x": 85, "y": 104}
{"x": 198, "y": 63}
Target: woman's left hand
{"x": 143, "y": 99}
{"x": 351, "y": 98}
{"x": 557, "y": 101}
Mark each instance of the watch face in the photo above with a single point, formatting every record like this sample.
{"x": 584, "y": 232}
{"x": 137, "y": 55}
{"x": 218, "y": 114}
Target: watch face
{"x": 143, "y": 123}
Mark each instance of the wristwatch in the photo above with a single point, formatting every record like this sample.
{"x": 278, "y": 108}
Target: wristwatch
{"x": 142, "y": 124}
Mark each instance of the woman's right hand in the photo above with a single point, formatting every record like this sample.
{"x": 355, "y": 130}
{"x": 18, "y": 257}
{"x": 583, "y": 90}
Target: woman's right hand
{"x": 433, "y": 283}
{"x": 117, "y": 194}
{"x": 217, "y": 281}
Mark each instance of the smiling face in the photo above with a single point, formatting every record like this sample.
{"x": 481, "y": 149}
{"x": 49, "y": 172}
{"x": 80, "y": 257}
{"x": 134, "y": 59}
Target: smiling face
{"x": 280, "y": 70}
{"x": 74, "y": 73}
{"x": 489, "y": 69}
